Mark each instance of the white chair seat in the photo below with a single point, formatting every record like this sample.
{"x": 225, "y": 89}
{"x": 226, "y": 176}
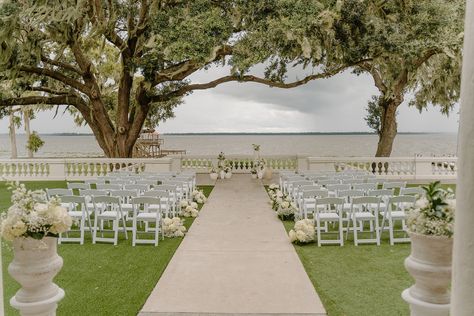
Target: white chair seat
{"x": 364, "y": 216}
{"x": 75, "y": 214}
{"x": 147, "y": 216}
{"x": 328, "y": 216}
{"x": 398, "y": 214}
{"x": 109, "y": 215}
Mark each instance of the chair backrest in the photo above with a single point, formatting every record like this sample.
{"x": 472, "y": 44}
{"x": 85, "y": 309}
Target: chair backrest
{"x": 58, "y": 192}
{"x": 147, "y": 182}
{"x": 124, "y": 193}
{"x": 78, "y": 185}
{"x": 166, "y": 187}
{"x": 136, "y": 187}
{"x": 372, "y": 180}
{"x": 156, "y": 193}
{"x": 350, "y": 181}
{"x": 122, "y": 181}
{"x": 92, "y": 192}
{"x": 338, "y": 187}
{"x": 145, "y": 200}
{"x": 364, "y": 200}
{"x": 109, "y": 187}
{"x": 94, "y": 181}
{"x": 310, "y": 187}
{"x": 73, "y": 199}
{"x": 328, "y": 182}
{"x": 402, "y": 199}
{"x": 412, "y": 191}
{"x": 350, "y": 193}
{"x": 330, "y": 201}
{"x": 364, "y": 186}
{"x": 315, "y": 194}
{"x": 380, "y": 192}
{"x": 106, "y": 199}
{"x": 393, "y": 185}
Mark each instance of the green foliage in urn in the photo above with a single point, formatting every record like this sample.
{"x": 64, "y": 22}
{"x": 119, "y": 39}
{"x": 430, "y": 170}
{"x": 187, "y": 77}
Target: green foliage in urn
{"x": 433, "y": 213}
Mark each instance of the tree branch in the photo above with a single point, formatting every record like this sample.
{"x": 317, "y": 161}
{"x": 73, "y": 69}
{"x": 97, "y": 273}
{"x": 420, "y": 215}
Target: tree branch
{"x": 60, "y": 64}
{"x": 57, "y": 76}
{"x": 246, "y": 78}
{"x": 53, "y": 100}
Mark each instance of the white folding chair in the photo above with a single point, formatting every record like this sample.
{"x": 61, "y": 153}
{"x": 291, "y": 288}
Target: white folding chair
{"x": 109, "y": 187}
{"x": 412, "y": 191}
{"x": 58, "y": 192}
{"x": 329, "y": 210}
{"x": 76, "y": 208}
{"x": 78, "y": 186}
{"x": 396, "y": 212}
{"x": 362, "y": 211}
{"x": 108, "y": 208}
{"x": 308, "y": 201}
{"x": 144, "y": 210}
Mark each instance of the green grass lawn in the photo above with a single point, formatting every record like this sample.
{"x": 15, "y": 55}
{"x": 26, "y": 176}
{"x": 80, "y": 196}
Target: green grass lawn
{"x": 100, "y": 279}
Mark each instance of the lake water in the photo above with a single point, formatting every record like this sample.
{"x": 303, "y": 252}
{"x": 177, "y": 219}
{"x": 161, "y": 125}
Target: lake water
{"x": 313, "y": 145}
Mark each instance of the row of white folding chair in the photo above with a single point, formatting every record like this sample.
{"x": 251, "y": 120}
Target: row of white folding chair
{"x": 112, "y": 208}
{"x": 364, "y": 208}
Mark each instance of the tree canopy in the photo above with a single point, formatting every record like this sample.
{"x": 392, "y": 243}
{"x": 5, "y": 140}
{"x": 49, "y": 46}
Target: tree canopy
{"x": 121, "y": 65}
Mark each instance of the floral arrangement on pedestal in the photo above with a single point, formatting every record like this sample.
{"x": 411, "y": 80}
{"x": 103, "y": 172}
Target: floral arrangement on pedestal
{"x": 173, "y": 227}
{"x": 256, "y": 151}
{"x": 253, "y": 173}
{"x": 213, "y": 173}
{"x": 431, "y": 226}
{"x": 188, "y": 209}
{"x": 303, "y": 232}
{"x": 29, "y": 218}
{"x": 227, "y": 171}
{"x": 259, "y": 166}
{"x": 276, "y": 195}
{"x": 433, "y": 213}
{"x": 32, "y": 226}
{"x": 199, "y": 196}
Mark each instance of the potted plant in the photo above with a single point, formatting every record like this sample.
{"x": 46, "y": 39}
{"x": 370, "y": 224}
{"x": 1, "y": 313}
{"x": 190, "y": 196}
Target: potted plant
{"x": 430, "y": 224}
{"x": 33, "y": 228}
{"x": 228, "y": 172}
{"x": 260, "y": 167}
{"x": 253, "y": 173}
{"x": 221, "y": 159}
{"x": 213, "y": 173}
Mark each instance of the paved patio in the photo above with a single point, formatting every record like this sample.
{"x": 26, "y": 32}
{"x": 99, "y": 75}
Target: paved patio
{"x": 235, "y": 260}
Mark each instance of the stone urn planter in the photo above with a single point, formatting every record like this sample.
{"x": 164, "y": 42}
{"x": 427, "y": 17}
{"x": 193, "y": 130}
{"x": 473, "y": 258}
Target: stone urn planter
{"x": 222, "y": 174}
{"x": 213, "y": 176}
{"x": 429, "y": 264}
{"x": 34, "y": 266}
{"x": 228, "y": 175}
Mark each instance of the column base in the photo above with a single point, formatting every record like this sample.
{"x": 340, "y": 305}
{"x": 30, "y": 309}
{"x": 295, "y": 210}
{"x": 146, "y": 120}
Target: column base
{"x": 42, "y": 308}
{"x": 422, "y": 308}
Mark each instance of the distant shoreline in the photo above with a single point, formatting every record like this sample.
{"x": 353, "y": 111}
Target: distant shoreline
{"x": 249, "y": 133}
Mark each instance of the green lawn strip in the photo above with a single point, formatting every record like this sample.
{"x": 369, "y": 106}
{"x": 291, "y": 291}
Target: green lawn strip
{"x": 100, "y": 279}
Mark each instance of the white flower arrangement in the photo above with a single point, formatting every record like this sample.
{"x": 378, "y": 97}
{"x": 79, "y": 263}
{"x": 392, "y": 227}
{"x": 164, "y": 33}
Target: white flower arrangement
{"x": 173, "y": 227}
{"x": 303, "y": 232}
{"x": 189, "y": 209}
{"x": 199, "y": 196}
{"x": 227, "y": 169}
{"x": 29, "y": 218}
{"x": 433, "y": 213}
{"x": 286, "y": 209}
{"x": 213, "y": 170}
{"x": 273, "y": 187}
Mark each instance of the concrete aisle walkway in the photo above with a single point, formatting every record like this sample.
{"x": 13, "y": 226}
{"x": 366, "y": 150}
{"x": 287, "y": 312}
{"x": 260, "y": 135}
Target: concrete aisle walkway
{"x": 236, "y": 259}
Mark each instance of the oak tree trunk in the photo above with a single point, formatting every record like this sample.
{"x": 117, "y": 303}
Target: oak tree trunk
{"x": 388, "y": 128}
{"x": 26, "y": 121}
{"x": 12, "y": 132}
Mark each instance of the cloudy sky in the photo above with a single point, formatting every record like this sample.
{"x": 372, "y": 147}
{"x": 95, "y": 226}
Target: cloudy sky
{"x": 330, "y": 105}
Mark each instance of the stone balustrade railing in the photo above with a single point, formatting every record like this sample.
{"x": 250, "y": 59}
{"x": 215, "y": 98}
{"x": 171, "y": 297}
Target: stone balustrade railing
{"x": 406, "y": 168}
{"x": 238, "y": 163}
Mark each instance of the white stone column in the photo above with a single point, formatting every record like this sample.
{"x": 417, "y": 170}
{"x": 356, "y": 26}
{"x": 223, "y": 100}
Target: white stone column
{"x": 2, "y": 310}
{"x": 462, "y": 297}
